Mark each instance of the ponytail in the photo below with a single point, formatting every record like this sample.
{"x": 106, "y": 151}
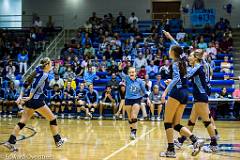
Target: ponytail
{"x": 29, "y": 79}
{"x": 182, "y": 67}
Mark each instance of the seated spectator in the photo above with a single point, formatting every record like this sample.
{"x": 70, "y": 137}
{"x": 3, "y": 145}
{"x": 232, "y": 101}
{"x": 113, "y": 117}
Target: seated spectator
{"x": 22, "y": 60}
{"x": 72, "y": 82}
{"x": 211, "y": 50}
{"x": 155, "y": 100}
{"x": 142, "y": 73}
{"x": 236, "y": 107}
{"x": 211, "y": 62}
{"x": 57, "y": 80}
{"x": 152, "y": 70}
{"x": 225, "y": 66}
{"x": 139, "y": 62}
{"x": 37, "y": 22}
{"x": 220, "y": 25}
{"x": 108, "y": 100}
{"x": 225, "y": 45}
{"x": 88, "y": 27}
{"x": 89, "y": 76}
{"x": 112, "y": 67}
{"x": 56, "y": 99}
{"x": 69, "y": 74}
{"x": 68, "y": 99}
{"x": 103, "y": 64}
{"x": 10, "y": 71}
{"x": 165, "y": 70}
{"x": 180, "y": 35}
{"x": 89, "y": 51}
{"x": 92, "y": 98}
{"x": 114, "y": 83}
{"x": 10, "y": 96}
{"x": 94, "y": 20}
{"x": 202, "y": 44}
{"x": 223, "y": 108}
{"x": 160, "y": 83}
{"x": 80, "y": 101}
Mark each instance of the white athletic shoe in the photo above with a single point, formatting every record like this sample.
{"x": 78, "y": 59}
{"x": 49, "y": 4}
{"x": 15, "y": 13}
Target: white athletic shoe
{"x": 60, "y": 142}
{"x": 10, "y": 116}
{"x": 78, "y": 117}
{"x": 197, "y": 146}
{"x": 177, "y": 144}
{"x": 169, "y": 154}
{"x": 114, "y": 117}
{"x": 10, "y": 146}
{"x": 152, "y": 118}
{"x": 158, "y": 118}
{"x": 4, "y": 116}
{"x": 62, "y": 116}
{"x": 100, "y": 117}
{"x": 210, "y": 149}
{"x": 69, "y": 116}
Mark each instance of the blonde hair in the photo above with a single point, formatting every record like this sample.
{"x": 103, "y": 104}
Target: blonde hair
{"x": 44, "y": 61}
{"x": 198, "y": 53}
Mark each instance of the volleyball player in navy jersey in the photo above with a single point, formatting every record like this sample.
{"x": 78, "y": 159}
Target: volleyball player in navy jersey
{"x": 56, "y": 98}
{"x": 176, "y": 103}
{"x": 135, "y": 89}
{"x": 200, "y": 95}
{"x": 68, "y": 99}
{"x": 35, "y": 102}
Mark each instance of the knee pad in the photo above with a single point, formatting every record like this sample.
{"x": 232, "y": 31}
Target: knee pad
{"x": 190, "y": 123}
{"x": 134, "y": 120}
{"x": 178, "y": 127}
{"x": 206, "y": 123}
{"x": 20, "y": 125}
{"x": 167, "y": 125}
{"x": 53, "y": 122}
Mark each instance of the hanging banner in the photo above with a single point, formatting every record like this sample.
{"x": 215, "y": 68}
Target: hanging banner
{"x": 202, "y": 17}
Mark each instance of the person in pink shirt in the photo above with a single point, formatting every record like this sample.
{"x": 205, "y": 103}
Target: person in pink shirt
{"x": 236, "y": 108}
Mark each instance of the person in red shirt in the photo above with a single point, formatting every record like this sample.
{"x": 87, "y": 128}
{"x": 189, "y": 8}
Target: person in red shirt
{"x": 142, "y": 73}
{"x": 236, "y": 108}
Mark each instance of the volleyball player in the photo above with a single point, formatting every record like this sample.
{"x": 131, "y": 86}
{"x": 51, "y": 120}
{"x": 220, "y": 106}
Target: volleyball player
{"x": 200, "y": 95}
{"x": 175, "y": 105}
{"x": 68, "y": 97}
{"x": 135, "y": 88}
{"x": 81, "y": 102}
{"x": 56, "y": 98}
{"x": 35, "y": 102}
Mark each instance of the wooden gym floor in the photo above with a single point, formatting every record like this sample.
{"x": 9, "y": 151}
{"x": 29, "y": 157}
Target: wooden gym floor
{"x": 107, "y": 139}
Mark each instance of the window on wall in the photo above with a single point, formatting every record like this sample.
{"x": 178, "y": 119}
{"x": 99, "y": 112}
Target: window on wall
{"x": 10, "y": 13}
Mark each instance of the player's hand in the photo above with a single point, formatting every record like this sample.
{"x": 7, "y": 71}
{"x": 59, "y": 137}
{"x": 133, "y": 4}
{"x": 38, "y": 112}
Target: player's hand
{"x": 25, "y": 99}
{"x": 167, "y": 34}
{"x": 163, "y": 99}
{"x": 18, "y": 101}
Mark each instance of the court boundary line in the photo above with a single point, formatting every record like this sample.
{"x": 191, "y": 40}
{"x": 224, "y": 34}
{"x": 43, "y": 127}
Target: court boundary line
{"x": 127, "y": 145}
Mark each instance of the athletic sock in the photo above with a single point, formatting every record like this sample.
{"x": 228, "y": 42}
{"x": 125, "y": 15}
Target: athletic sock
{"x": 193, "y": 138}
{"x": 12, "y": 139}
{"x": 171, "y": 147}
{"x": 134, "y": 131}
{"x": 213, "y": 141}
{"x": 57, "y": 138}
{"x": 182, "y": 139}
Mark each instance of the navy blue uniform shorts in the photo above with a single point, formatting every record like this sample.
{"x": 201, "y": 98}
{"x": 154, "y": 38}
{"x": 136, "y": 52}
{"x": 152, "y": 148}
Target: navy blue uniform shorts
{"x": 35, "y": 103}
{"x": 180, "y": 94}
{"x": 202, "y": 97}
{"x": 131, "y": 102}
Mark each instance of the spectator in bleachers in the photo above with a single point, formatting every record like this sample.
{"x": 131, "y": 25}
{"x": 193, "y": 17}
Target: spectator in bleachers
{"x": 81, "y": 101}
{"x": 56, "y": 99}
{"x": 108, "y": 100}
{"x": 152, "y": 69}
{"x": 37, "y": 22}
{"x": 92, "y": 98}
{"x": 211, "y": 62}
{"x": 225, "y": 45}
{"x": 148, "y": 84}
{"x": 88, "y": 27}
{"x": 10, "y": 96}
{"x": 86, "y": 40}
{"x": 57, "y": 80}
{"x": 220, "y": 25}
{"x": 180, "y": 35}
{"x": 69, "y": 74}
{"x": 114, "y": 83}
{"x": 94, "y": 20}
{"x": 223, "y": 108}
{"x": 89, "y": 75}
{"x": 121, "y": 21}
{"x": 50, "y": 24}
{"x": 89, "y": 51}
{"x": 68, "y": 99}
{"x": 211, "y": 50}
{"x": 142, "y": 73}
{"x": 236, "y": 107}
{"x": 22, "y": 60}
{"x": 155, "y": 99}
{"x": 165, "y": 70}
{"x": 132, "y": 19}
{"x": 139, "y": 61}
{"x": 112, "y": 67}
{"x": 103, "y": 64}
{"x": 159, "y": 82}
{"x": 202, "y": 44}
{"x": 225, "y": 66}
{"x": 10, "y": 71}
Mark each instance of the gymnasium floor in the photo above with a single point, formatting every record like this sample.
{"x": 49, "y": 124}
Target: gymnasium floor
{"x": 97, "y": 140}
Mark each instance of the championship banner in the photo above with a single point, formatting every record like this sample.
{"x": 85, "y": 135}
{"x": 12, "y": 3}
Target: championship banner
{"x": 202, "y": 17}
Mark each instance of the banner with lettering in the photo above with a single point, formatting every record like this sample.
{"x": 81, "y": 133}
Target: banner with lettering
{"x": 202, "y": 17}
